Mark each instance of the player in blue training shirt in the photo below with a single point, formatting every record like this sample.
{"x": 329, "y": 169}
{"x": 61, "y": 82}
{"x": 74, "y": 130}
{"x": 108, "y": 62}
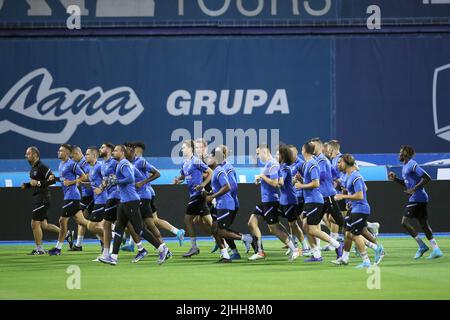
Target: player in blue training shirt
{"x": 313, "y": 208}
{"x": 192, "y": 172}
{"x": 269, "y": 208}
{"x": 68, "y": 173}
{"x": 414, "y": 179}
{"x": 225, "y": 206}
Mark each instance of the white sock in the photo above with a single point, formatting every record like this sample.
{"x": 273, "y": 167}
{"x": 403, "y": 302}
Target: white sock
{"x": 291, "y": 245}
{"x": 115, "y": 256}
{"x": 316, "y": 252}
{"x": 224, "y": 253}
{"x": 365, "y": 257}
{"x": 345, "y": 256}
{"x": 194, "y": 242}
{"x": 39, "y": 248}
{"x": 318, "y": 242}
{"x": 79, "y": 241}
{"x": 334, "y": 236}
{"x": 140, "y": 246}
{"x": 305, "y": 245}
{"x": 419, "y": 241}
{"x": 434, "y": 244}
{"x": 174, "y": 230}
{"x": 371, "y": 245}
{"x": 333, "y": 242}
{"x": 105, "y": 251}
{"x": 59, "y": 245}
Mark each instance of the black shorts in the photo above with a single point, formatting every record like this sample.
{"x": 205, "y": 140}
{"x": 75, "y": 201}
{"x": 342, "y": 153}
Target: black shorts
{"x": 153, "y": 205}
{"x": 87, "y": 203}
{"x": 213, "y": 212}
{"x": 417, "y": 210}
{"x": 313, "y": 212}
{"x": 356, "y": 222}
{"x": 342, "y": 205}
{"x": 98, "y": 213}
{"x": 70, "y": 208}
{"x": 111, "y": 210}
{"x": 39, "y": 212}
{"x": 270, "y": 211}
{"x": 290, "y": 212}
{"x": 146, "y": 208}
{"x": 331, "y": 207}
{"x": 300, "y": 205}
{"x": 225, "y": 218}
{"x": 197, "y": 207}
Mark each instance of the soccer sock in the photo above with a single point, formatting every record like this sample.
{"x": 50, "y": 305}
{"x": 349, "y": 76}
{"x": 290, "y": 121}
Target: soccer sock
{"x": 434, "y": 244}
{"x": 333, "y": 242}
{"x": 161, "y": 247}
{"x": 419, "y": 241}
{"x": 194, "y": 242}
{"x": 305, "y": 245}
{"x": 140, "y": 246}
{"x": 105, "y": 251}
{"x": 371, "y": 245}
{"x": 291, "y": 245}
{"x": 59, "y": 245}
{"x": 39, "y": 248}
{"x": 117, "y": 241}
{"x": 260, "y": 245}
{"x": 345, "y": 256}
{"x": 174, "y": 230}
{"x": 334, "y": 235}
{"x": 365, "y": 257}
{"x": 224, "y": 253}
{"x": 79, "y": 241}
{"x": 316, "y": 252}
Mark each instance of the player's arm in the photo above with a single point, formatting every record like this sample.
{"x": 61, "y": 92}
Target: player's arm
{"x": 128, "y": 175}
{"x": 359, "y": 185}
{"x": 206, "y": 179}
{"x": 225, "y": 187}
{"x": 312, "y": 185}
{"x": 393, "y": 177}
{"x": 424, "y": 179}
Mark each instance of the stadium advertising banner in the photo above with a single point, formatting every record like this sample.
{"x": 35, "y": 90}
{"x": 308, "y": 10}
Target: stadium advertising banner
{"x": 239, "y": 91}
{"x": 138, "y": 13}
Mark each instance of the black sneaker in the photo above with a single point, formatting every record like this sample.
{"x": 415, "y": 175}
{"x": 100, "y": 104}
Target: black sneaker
{"x": 37, "y": 252}
{"x": 191, "y": 252}
{"x": 54, "y": 252}
{"x": 76, "y": 248}
{"x": 224, "y": 260}
{"x": 69, "y": 238}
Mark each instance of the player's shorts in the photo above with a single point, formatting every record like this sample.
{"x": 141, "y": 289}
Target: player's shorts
{"x": 356, "y": 223}
{"x": 145, "y": 207}
{"x": 70, "y": 208}
{"x": 417, "y": 210}
{"x": 225, "y": 218}
{"x": 290, "y": 212}
{"x": 270, "y": 211}
{"x": 98, "y": 213}
{"x": 331, "y": 207}
{"x": 87, "y": 203}
{"x": 153, "y": 205}
{"x": 111, "y": 210}
{"x": 197, "y": 207}
{"x": 300, "y": 204}
{"x": 213, "y": 211}
{"x": 39, "y": 212}
{"x": 313, "y": 212}
{"x": 342, "y": 205}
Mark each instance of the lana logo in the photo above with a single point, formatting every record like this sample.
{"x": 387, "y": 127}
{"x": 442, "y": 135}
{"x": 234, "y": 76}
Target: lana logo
{"x": 34, "y": 109}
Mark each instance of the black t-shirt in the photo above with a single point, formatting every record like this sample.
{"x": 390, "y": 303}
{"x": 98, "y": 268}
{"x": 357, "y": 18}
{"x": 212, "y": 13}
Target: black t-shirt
{"x": 40, "y": 172}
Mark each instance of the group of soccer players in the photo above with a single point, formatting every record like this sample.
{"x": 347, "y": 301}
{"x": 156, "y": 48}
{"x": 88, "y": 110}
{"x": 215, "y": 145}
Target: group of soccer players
{"x": 319, "y": 187}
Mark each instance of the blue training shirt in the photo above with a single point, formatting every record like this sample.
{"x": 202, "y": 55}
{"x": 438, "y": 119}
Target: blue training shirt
{"x": 312, "y": 172}
{"x": 220, "y": 179}
{"x": 298, "y": 167}
{"x": 412, "y": 173}
{"x": 269, "y": 193}
{"x": 69, "y": 170}
{"x": 86, "y": 190}
{"x": 108, "y": 169}
{"x": 125, "y": 180}
{"x": 193, "y": 169}
{"x": 96, "y": 178}
{"x": 143, "y": 168}
{"x": 287, "y": 190}
{"x": 232, "y": 179}
{"x": 326, "y": 180}
{"x": 355, "y": 183}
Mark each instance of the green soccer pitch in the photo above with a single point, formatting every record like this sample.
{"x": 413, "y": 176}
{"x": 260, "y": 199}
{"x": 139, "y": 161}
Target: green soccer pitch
{"x": 199, "y": 277}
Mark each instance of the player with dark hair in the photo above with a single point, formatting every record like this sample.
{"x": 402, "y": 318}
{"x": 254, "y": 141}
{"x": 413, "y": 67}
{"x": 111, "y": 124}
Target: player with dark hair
{"x": 192, "y": 172}
{"x": 41, "y": 177}
{"x": 68, "y": 173}
{"x": 414, "y": 179}
{"x": 313, "y": 208}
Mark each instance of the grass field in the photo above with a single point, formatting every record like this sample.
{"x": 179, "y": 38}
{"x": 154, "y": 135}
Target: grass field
{"x": 44, "y": 277}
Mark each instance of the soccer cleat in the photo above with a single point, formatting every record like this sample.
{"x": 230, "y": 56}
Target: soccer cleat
{"x": 340, "y": 262}
{"x": 436, "y": 253}
{"x": 379, "y": 254}
{"x": 216, "y": 247}
{"x": 37, "y": 252}
{"x": 257, "y": 256}
{"x": 294, "y": 255}
{"x": 180, "y": 236}
{"x": 235, "y": 256}
{"x": 363, "y": 265}
{"x": 339, "y": 250}
{"x": 247, "y": 242}
{"x": 107, "y": 260}
{"x": 163, "y": 255}
{"x": 224, "y": 260}
{"x": 422, "y": 249}
{"x": 54, "y": 252}
{"x": 169, "y": 255}
{"x": 192, "y": 251}
{"x": 140, "y": 255}
{"x": 69, "y": 238}
{"x": 128, "y": 247}
{"x": 76, "y": 248}
{"x": 312, "y": 259}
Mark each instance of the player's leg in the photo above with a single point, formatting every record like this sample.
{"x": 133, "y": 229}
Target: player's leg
{"x": 425, "y": 225}
{"x": 257, "y": 237}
